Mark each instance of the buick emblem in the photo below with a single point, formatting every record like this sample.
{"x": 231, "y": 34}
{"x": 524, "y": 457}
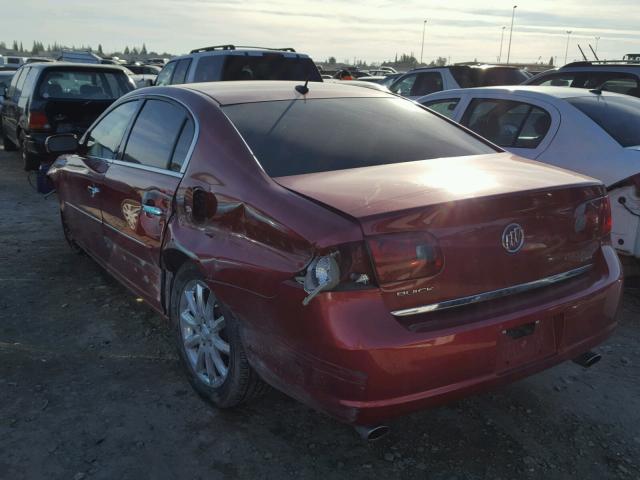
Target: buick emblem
{"x": 513, "y": 238}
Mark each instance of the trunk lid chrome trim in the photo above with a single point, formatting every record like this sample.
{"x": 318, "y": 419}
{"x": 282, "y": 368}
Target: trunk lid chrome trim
{"x": 494, "y": 294}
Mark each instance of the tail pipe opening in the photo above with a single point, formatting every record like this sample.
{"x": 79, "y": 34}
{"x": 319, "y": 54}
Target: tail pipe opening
{"x": 588, "y": 359}
{"x": 371, "y": 433}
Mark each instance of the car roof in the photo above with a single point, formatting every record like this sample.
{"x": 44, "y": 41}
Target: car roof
{"x": 479, "y": 67}
{"x": 229, "y": 93}
{"x": 531, "y": 91}
{"x": 248, "y": 51}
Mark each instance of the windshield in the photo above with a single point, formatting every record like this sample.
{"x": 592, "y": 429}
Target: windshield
{"x": 618, "y": 116}
{"x": 84, "y": 84}
{"x": 298, "y": 137}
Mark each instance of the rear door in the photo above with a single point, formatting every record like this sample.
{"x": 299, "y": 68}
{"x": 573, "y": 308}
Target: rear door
{"x": 83, "y": 188}
{"x": 10, "y": 113}
{"x": 139, "y": 190}
{"x": 521, "y": 125}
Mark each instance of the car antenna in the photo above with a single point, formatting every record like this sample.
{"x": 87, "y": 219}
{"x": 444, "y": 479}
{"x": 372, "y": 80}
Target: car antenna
{"x": 303, "y": 89}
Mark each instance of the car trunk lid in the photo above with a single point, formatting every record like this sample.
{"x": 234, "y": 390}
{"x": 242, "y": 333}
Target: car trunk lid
{"x": 466, "y": 205}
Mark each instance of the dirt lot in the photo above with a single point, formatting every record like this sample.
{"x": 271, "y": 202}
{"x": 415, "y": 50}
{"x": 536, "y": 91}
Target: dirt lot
{"x": 90, "y": 388}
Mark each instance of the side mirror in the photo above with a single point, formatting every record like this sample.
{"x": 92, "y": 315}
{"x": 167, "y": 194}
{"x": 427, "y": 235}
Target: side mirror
{"x": 59, "y": 144}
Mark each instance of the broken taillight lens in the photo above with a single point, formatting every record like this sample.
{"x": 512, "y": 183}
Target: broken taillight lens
{"x": 593, "y": 218}
{"x": 38, "y": 121}
{"x": 405, "y": 256}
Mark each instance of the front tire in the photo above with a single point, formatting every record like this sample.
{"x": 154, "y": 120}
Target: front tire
{"x": 209, "y": 343}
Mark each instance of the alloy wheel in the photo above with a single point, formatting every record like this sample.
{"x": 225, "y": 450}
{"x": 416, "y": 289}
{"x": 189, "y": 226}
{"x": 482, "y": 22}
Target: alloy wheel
{"x": 202, "y": 327}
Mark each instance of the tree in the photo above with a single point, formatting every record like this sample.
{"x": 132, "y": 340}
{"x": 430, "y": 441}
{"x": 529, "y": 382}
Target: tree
{"x": 332, "y": 60}
{"x": 143, "y": 50}
{"x": 21, "y": 48}
{"x": 100, "y": 52}
{"x": 14, "y": 47}
{"x": 126, "y": 50}
{"x": 134, "y": 51}
{"x": 3, "y": 46}
{"x": 551, "y": 61}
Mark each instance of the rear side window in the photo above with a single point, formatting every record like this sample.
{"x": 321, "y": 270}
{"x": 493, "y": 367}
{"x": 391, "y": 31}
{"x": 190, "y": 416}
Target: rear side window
{"x": 507, "y": 123}
{"x": 618, "y": 116}
{"x": 31, "y": 76}
{"x": 164, "y": 77}
{"x": 153, "y": 136}
{"x": 5, "y": 81}
{"x": 298, "y": 137}
{"x": 270, "y": 66}
{"x": 180, "y": 73}
{"x": 182, "y": 146}
{"x": 208, "y": 68}
{"x": 103, "y": 141}
{"x": 85, "y": 84}
{"x": 500, "y": 76}
{"x": 444, "y": 107}
{"x": 555, "y": 80}
{"x": 16, "y": 84}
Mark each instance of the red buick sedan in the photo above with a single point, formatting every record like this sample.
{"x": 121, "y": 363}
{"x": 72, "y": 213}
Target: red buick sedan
{"x": 346, "y": 246}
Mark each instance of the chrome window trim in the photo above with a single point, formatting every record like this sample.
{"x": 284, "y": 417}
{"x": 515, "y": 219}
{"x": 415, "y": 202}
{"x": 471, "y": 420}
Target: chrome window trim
{"x": 144, "y": 167}
{"x": 494, "y": 294}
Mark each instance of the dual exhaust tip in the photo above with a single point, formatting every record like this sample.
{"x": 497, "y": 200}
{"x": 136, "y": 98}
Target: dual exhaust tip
{"x": 371, "y": 433}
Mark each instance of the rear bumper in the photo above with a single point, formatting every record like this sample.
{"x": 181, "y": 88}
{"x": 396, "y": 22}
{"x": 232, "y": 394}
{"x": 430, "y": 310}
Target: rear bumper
{"x": 346, "y": 355}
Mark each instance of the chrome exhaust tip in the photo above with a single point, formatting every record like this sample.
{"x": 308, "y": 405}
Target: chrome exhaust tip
{"x": 371, "y": 433}
{"x": 588, "y": 359}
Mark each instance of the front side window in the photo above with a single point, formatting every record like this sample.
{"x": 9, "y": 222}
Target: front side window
{"x": 85, "y": 84}
{"x": 404, "y": 85}
{"x": 164, "y": 77}
{"x": 555, "y": 80}
{"x": 618, "y": 116}
{"x": 299, "y": 137}
{"x": 153, "y": 136}
{"x": 103, "y": 141}
{"x": 507, "y": 123}
{"x": 444, "y": 107}
{"x": 426, "y": 83}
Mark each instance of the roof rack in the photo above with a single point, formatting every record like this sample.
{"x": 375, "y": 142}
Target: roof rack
{"x": 234, "y": 47}
{"x": 602, "y": 62}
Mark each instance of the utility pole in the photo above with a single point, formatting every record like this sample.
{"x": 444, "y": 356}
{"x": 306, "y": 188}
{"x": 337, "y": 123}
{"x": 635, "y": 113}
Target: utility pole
{"x": 513, "y": 14}
{"x": 424, "y": 27}
{"x": 566, "y": 52}
{"x": 501, "y": 42}
{"x": 597, "y": 40}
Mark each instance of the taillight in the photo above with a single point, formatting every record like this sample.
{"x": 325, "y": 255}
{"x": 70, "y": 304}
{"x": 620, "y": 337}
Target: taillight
{"x": 405, "y": 256}
{"x": 593, "y": 218}
{"x": 605, "y": 217}
{"x": 38, "y": 121}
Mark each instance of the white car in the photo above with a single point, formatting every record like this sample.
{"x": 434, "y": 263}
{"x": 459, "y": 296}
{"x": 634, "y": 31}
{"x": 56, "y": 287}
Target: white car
{"x": 590, "y": 131}
{"x": 144, "y": 75}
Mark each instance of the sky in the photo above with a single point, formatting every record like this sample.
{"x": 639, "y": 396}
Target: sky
{"x": 373, "y": 31}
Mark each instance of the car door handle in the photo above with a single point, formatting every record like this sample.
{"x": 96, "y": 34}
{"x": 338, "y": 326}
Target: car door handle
{"x": 93, "y": 190}
{"x": 151, "y": 210}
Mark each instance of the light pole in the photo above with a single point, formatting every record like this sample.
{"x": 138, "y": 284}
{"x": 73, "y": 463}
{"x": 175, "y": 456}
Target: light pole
{"x": 566, "y": 52}
{"x": 513, "y": 14}
{"x": 501, "y": 42}
{"x": 424, "y": 27}
{"x": 597, "y": 40}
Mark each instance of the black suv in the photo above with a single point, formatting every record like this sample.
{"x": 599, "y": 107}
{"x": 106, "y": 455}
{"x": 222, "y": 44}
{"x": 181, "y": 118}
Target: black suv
{"x": 230, "y": 62}
{"x": 47, "y": 98}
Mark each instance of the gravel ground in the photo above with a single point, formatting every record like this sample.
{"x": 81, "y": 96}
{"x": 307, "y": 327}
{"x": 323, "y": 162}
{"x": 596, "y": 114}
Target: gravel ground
{"x": 90, "y": 387}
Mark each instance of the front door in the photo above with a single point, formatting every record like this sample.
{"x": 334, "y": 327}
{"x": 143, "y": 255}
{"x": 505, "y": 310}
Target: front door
{"x": 139, "y": 190}
{"x": 84, "y": 184}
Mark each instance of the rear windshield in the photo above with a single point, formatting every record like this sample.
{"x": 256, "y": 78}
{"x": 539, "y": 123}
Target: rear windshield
{"x": 270, "y": 67}
{"x": 84, "y": 84}
{"x": 618, "y": 116}
{"x": 298, "y": 137}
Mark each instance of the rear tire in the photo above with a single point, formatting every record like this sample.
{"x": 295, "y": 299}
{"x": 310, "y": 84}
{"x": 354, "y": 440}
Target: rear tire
{"x": 204, "y": 329}
{"x": 8, "y": 145}
{"x": 30, "y": 161}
